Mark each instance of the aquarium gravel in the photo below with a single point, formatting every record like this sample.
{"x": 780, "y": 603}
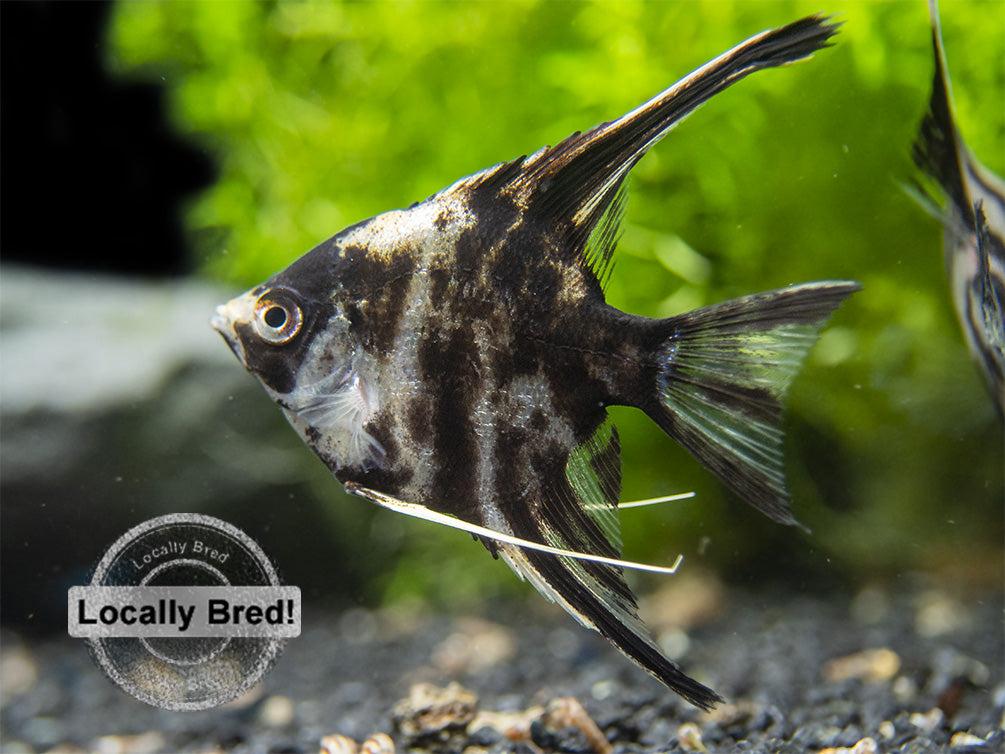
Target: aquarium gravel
{"x": 920, "y": 671}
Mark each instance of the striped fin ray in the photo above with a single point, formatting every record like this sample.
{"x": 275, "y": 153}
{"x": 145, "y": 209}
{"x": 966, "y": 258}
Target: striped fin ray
{"x": 941, "y": 153}
{"x": 936, "y": 151}
{"x": 573, "y": 183}
{"x": 986, "y": 313}
{"x": 723, "y": 373}
{"x": 599, "y": 252}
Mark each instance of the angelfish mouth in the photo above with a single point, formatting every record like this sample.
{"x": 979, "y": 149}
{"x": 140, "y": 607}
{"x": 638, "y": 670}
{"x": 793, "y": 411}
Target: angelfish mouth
{"x": 224, "y": 325}
{"x": 220, "y": 321}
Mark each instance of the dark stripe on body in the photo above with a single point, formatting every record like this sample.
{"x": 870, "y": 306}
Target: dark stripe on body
{"x": 379, "y": 287}
{"x": 448, "y": 362}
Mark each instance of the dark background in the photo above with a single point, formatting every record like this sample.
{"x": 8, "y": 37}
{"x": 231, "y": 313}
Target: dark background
{"x": 93, "y": 178}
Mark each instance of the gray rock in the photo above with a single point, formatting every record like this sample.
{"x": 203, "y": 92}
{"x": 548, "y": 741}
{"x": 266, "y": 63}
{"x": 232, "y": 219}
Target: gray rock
{"x": 119, "y": 403}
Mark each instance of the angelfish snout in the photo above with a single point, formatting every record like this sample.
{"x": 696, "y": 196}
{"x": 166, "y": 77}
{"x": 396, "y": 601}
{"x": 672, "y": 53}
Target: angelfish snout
{"x": 223, "y": 323}
{"x": 220, "y": 321}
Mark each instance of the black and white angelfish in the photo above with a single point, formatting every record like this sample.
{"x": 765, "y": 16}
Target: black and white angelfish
{"x": 974, "y": 224}
{"x": 454, "y": 360}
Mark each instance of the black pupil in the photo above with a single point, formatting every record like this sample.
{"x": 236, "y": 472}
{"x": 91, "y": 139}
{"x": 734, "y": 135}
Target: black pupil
{"x": 275, "y": 316}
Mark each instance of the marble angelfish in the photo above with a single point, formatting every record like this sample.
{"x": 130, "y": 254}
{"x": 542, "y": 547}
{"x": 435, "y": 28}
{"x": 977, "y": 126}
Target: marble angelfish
{"x": 454, "y": 360}
{"x": 974, "y": 224}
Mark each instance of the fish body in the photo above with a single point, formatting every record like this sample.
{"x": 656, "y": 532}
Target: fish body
{"x": 459, "y": 357}
{"x": 973, "y": 224}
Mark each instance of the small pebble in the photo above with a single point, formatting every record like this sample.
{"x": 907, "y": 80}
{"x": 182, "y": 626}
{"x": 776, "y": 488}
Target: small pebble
{"x": 18, "y": 672}
{"x": 544, "y": 737}
{"x": 485, "y": 735}
{"x": 337, "y": 744}
{"x": 144, "y": 743}
{"x": 963, "y": 738}
{"x": 512, "y": 724}
{"x": 604, "y": 689}
{"x": 828, "y": 736}
{"x": 864, "y": 746}
{"x": 938, "y": 614}
{"x": 428, "y": 709}
{"x": 475, "y": 646}
{"x": 869, "y": 665}
{"x": 928, "y": 721}
{"x": 998, "y": 696}
{"x": 905, "y": 689}
{"x": 731, "y": 714}
{"x": 378, "y": 743}
{"x": 674, "y": 642}
{"x": 689, "y": 736}
{"x": 887, "y": 730}
{"x": 566, "y": 712}
{"x": 276, "y": 712}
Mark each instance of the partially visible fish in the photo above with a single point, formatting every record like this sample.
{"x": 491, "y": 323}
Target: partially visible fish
{"x": 974, "y": 224}
{"x": 455, "y": 360}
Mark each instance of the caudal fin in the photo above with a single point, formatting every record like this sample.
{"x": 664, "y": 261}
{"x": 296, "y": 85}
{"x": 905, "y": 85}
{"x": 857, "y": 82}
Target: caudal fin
{"x": 724, "y": 371}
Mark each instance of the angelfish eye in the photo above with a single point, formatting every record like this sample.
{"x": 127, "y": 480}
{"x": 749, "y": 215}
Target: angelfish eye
{"x": 277, "y": 318}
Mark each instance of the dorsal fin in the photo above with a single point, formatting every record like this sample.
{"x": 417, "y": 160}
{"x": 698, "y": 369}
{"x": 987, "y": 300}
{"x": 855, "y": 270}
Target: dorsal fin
{"x": 599, "y": 252}
{"x": 574, "y": 184}
{"x": 936, "y": 151}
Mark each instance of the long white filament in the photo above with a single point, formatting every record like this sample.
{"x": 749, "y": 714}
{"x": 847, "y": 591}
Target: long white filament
{"x": 419, "y": 511}
{"x": 655, "y": 500}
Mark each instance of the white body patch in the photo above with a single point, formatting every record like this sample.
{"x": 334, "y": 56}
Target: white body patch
{"x": 431, "y": 226}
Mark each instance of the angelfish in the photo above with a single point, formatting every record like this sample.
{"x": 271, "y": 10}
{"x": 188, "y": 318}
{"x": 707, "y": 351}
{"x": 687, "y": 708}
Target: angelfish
{"x": 455, "y": 360}
{"x": 974, "y": 224}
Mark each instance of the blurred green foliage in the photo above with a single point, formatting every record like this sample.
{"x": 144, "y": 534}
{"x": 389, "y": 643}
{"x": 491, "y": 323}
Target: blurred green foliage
{"x": 322, "y": 114}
